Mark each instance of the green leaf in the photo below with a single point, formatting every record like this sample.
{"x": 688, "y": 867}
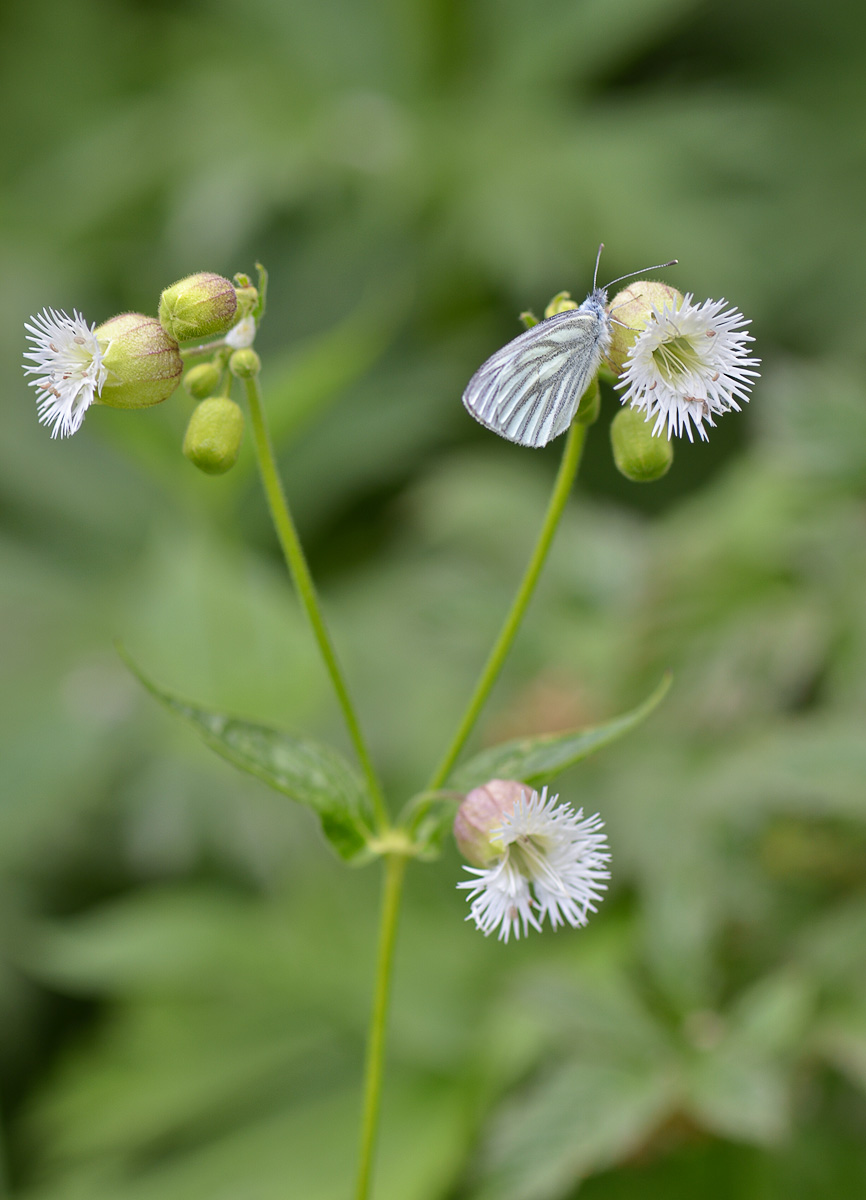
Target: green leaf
{"x": 537, "y": 759}
{"x": 582, "y": 1116}
{"x": 739, "y": 1095}
{"x": 306, "y": 771}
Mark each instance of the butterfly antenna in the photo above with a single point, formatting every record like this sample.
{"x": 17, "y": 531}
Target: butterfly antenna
{"x": 597, "y": 261}
{"x": 632, "y": 274}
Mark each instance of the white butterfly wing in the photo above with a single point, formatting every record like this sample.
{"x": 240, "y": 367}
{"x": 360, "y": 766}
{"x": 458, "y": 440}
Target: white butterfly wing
{"x": 528, "y": 391}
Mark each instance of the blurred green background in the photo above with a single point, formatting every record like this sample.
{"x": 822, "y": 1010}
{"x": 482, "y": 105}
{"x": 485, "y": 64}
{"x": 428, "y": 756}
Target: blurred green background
{"x": 184, "y": 968}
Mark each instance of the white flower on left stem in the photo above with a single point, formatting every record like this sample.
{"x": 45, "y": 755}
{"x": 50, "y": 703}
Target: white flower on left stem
{"x": 545, "y": 859}
{"x": 69, "y": 366}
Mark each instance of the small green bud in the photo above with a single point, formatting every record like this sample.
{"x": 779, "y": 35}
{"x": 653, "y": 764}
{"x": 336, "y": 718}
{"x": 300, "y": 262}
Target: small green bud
{"x": 143, "y": 362}
{"x": 561, "y": 302}
{"x": 245, "y": 364}
{"x": 638, "y": 455}
{"x": 248, "y": 298}
{"x": 214, "y": 434}
{"x": 199, "y": 306}
{"x": 529, "y": 319}
{"x": 481, "y": 814}
{"x": 202, "y": 381}
{"x": 631, "y": 309}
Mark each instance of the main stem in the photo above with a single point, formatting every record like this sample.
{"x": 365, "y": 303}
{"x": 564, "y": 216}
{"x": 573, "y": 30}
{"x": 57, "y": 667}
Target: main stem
{"x": 561, "y": 488}
{"x": 395, "y": 867}
{"x": 300, "y": 572}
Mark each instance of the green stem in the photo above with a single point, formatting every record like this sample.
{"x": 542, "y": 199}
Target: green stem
{"x": 206, "y": 348}
{"x": 4, "y": 1178}
{"x": 300, "y": 572}
{"x": 562, "y": 487}
{"x": 395, "y": 868}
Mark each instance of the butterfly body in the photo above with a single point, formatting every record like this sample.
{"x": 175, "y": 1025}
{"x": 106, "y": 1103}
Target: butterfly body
{"x": 529, "y": 391}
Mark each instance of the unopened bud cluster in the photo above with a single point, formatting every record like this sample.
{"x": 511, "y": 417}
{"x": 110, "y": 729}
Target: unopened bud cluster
{"x": 205, "y": 305}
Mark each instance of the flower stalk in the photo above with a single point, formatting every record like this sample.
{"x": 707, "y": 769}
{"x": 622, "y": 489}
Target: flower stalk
{"x": 395, "y": 869}
{"x": 496, "y": 659}
{"x": 300, "y": 572}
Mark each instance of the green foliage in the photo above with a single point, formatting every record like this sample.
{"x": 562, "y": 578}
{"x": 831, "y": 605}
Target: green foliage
{"x": 184, "y": 971}
{"x": 307, "y": 772}
{"x": 536, "y": 760}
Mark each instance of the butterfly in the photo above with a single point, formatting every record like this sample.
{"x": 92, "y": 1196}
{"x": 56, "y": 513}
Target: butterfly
{"x": 528, "y": 391}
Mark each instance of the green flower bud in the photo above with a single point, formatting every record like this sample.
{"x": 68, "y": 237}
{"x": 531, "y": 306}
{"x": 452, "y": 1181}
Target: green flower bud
{"x": 203, "y": 380}
{"x": 631, "y": 309}
{"x": 638, "y": 455}
{"x": 561, "y": 302}
{"x": 245, "y": 364}
{"x": 214, "y": 434}
{"x": 480, "y": 814}
{"x": 199, "y": 306}
{"x": 143, "y": 363}
{"x": 248, "y": 298}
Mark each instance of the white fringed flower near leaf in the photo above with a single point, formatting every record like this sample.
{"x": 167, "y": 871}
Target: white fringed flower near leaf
{"x": 689, "y": 364}
{"x": 67, "y": 361}
{"x": 537, "y": 859}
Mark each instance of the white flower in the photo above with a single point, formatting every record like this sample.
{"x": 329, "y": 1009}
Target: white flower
{"x": 689, "y": 364}
{"x": 552, "y": 863}
{"x": 242, "y": 336}
{"x": 68, "y": 362}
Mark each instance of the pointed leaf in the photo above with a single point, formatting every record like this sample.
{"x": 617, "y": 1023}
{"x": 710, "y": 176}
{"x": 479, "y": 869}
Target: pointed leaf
{"x": 306, "y": 771}
{"x": 580, "y": 1117}
{"x": 537, "y": 759}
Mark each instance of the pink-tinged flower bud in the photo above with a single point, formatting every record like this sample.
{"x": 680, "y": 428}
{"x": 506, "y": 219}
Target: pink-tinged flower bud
{"x": 200, "y": 306}
{"x": 214, "y": 435}
{"x": 630, "y": 310}
{"x": 480, "y": 814}
{"x": 142, "y": 362}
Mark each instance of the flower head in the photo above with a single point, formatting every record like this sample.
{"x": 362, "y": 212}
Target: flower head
{"x": 67, "y": 361}
{"x": 688, "y": 364}
{"x": 543, "y": 859}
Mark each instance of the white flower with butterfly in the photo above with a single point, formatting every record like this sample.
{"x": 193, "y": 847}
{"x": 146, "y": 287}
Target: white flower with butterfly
{"x": 689, "y": 363}
{"x": 529, "y": 391}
